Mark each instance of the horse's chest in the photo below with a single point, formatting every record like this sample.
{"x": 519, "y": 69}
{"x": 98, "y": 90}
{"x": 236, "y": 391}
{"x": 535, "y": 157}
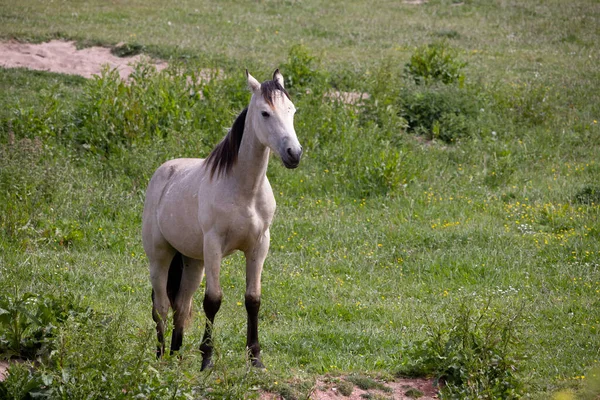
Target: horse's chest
{"x": 242, "y": 228}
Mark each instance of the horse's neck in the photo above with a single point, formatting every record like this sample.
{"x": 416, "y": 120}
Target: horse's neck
{"x": 250, "y": 170}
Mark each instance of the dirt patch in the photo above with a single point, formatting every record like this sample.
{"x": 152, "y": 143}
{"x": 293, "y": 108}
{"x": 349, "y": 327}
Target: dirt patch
{"x": 3, "y": 369}
{"x": 354, "y": 98}
{"x": 343, "y": 388}
{"x": 63, "y": 57}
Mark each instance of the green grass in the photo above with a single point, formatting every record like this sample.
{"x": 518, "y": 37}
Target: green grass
{"x": 381, "y": 236}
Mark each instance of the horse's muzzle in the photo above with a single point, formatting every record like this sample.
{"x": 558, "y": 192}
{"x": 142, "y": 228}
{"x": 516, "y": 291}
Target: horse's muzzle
{"x": 291, "y": 157}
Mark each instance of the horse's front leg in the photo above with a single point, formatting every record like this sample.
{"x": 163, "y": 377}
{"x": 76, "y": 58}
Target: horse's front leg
{"x": 255, "y": 259}
{"x": 212, "y": 296}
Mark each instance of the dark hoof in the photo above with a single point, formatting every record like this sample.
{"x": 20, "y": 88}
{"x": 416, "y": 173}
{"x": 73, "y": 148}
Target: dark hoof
{"x": 206, "y": 364}
{"x": 256, "y": 363}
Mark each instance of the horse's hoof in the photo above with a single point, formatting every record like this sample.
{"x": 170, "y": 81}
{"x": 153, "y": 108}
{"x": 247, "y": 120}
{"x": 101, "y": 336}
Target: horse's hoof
{"x": 206, "y": 364}
{"x": 256, "y": 363}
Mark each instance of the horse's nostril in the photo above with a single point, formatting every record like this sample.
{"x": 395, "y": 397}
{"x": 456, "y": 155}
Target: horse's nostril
{"x": 290, "y": 153}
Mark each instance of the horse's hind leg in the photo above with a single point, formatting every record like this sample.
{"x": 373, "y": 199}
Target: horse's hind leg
{"x": 191, "y": 276}
{"x": 159, "y": 271}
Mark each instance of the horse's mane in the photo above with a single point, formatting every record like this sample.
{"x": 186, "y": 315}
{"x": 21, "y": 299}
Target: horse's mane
{"x": 224, "y": 155}
{"x": 268, "y": 90}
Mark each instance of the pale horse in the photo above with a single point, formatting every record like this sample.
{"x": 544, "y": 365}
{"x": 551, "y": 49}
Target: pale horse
{"x": 198, "y": 211}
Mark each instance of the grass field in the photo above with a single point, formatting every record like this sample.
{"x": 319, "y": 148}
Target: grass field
{"x": 447, "y": 226}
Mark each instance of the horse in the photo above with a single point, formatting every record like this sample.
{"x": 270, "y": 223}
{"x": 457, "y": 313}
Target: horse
{"x": 198, "y": 211}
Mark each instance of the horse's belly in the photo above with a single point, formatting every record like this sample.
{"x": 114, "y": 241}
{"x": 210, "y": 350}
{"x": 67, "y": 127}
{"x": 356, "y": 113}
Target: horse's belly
{"x": 183, "y": 234}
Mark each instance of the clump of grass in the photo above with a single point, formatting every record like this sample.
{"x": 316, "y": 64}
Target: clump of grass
{"x": 413, "y": 393}
{"x": 525, "y": 102}
{"x": 589, "y": 194}
{"x": 475, "y": 355}
{"x": 127, "y": 49}
{"x": 367, "y": 383}
{"x": 345, "y": 388}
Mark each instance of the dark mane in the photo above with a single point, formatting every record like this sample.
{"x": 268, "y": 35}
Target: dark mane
{"x": 268, "y": 90}
{"x": 224, "y": 155}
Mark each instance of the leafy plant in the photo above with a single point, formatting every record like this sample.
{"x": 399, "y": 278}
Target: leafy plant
{"x": 24, "y": 382}
{"x": 302, "y": 72}
{"x": 475, "y": 355}
{"x": 436, "y": 62}
{"x": 441, "y": 112}
{"x": 28, "y": 322}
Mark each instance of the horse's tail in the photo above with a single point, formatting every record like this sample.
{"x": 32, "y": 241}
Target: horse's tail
{"x": 174, "y": 278}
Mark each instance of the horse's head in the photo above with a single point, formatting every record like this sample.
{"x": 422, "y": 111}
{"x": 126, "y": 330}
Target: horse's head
{"x": 271, "y": 113}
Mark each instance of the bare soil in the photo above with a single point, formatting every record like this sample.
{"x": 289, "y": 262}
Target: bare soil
{"x": 3, "y": 368}
{"x": 64, "y": 57}
{"x": 328, "y": 388}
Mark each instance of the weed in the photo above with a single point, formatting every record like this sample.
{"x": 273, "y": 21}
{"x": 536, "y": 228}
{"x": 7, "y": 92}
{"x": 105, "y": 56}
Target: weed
{"x": 29, "y": 323}
{"x": 116, "y": 115}
{"x": 525, "y": 102}
{"x": 436, "y": 62}
{"x": 474, "y": 355}
{"x": 24, "y": 383}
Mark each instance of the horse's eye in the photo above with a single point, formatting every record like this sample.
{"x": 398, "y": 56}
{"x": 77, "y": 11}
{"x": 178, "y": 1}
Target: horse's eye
{"x": 265, "y": 114}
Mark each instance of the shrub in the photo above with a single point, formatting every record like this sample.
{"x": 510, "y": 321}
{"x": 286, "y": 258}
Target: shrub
{"x": 436, "y": 62}
{"x": 441, "y": 112}
{"x": 302, "y": 73}
{"x": 381, "y": 106}
{"x": 115, "y": 113}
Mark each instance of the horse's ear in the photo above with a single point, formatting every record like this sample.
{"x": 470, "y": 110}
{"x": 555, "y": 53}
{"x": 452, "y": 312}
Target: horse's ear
{"x": 277, "y": 77}
{"x": 253, "y": 84}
